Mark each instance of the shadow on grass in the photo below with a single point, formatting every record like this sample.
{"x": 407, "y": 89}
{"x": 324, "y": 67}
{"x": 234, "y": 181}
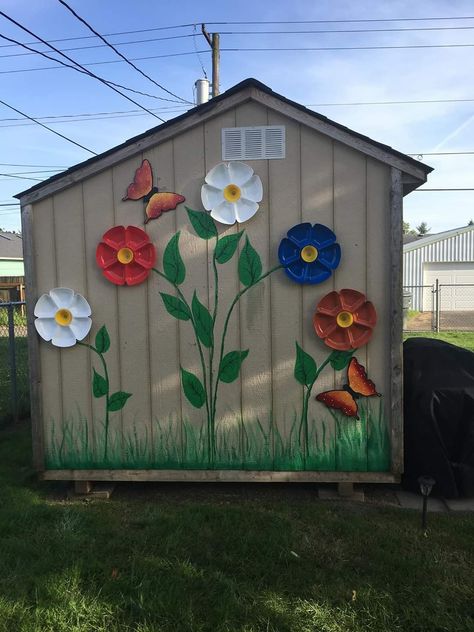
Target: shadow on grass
{"x": 222, "y": 558}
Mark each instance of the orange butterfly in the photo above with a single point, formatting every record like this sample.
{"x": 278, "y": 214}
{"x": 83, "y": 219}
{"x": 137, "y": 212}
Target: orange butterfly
{"x": 345, "y": 399}
{"x": 157, "y": 202}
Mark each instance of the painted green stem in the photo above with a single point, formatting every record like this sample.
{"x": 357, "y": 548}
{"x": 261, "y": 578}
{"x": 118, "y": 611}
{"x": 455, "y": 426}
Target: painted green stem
{"x": 304, "y": 412}
{"x": 107, "y": 413}
{"x": 211, "y": 353}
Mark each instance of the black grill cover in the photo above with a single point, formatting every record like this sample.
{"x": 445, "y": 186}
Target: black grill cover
{"x": 439, "y": 416}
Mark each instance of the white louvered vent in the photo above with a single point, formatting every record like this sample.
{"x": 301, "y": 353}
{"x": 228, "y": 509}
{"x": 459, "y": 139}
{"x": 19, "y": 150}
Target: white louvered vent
{"x": 265, "y": 142}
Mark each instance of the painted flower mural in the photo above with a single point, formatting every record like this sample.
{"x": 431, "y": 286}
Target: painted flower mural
{"x": 62, "y": 317}
{"x": 231, "y": 192}
{"x": 309, "y": 253}
{"x": 125, "y": 255}
{"x": 345, "y": 320}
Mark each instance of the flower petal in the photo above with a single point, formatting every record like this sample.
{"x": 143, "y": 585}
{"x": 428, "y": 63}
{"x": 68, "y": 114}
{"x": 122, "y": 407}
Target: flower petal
{"x": 105, "y": 255}
{"x": 45, "y": 307}
{"x": 366, "y": 315}
{"x": 135, "y": 273}
{"x": 224, "y": 213}
{"x": 219, "y": 176}
{"x": 252, "y": 189}
{"x": 339, "y": 340}
{"x": 301, "y": 234}
{"x": 288, "y": 252}
{"x": 62, "y": 296}
{"x": 115, "y": 237}
{"x": 115, "y": 273}
{"x": 239, "y": 173}
{"x": 245, "y": 209}
{"x": 316, "y": 272}
{"x": 351, "y": 299}
{"x": 322, "y": 236}
{"x": 330, "y": 304}
{"x": 359, "y": 335}
{"x": 63, "y": 337}
{"x": 79, "y": 307}
{"x": 324, "y": 325}
{"x": 80, "y": 327}
{"x": 135, "y": 237}
{"x": 146, "y": 256}
{"x": 45, "y": 327}
{"x": 297, "y": 270}
{"x": 330, "y": 256}
{"x": 211, "y": 196}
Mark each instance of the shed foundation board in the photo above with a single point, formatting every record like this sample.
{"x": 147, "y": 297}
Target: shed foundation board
{"x": 224, "y": 476}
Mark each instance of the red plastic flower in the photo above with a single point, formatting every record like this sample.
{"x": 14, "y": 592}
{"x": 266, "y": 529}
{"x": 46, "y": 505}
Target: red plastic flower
{"x": 345, "y": 320}
{"x": 126, "y": 255}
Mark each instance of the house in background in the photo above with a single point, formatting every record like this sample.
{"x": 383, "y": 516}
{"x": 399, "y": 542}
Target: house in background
{"x": 446, "y": 257}
{"x": 12, "y": 282}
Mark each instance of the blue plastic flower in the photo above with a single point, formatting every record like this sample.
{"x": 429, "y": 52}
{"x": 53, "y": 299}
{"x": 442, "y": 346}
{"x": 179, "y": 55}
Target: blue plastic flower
{"x": 309, "y": 253}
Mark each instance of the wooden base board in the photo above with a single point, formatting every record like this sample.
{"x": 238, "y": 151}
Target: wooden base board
{"x": 223, "y": 476}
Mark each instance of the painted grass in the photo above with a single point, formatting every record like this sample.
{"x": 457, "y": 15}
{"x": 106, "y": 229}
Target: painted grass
{"x": 223, "y": 558}
{"x": 356, "y": 445}
{"x": 464, "y": 339}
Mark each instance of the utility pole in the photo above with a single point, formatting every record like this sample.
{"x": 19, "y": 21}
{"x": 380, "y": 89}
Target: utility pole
{"x": 213, "y": 41}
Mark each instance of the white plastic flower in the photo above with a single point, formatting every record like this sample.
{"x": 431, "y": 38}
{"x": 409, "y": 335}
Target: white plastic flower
{"x": 62, "y": 316}
{"x": 231, "y": 192}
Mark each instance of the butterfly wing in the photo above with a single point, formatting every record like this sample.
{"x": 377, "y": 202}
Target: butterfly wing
{"x": 358, "y": 380}
{"x": 340, "y": 400}
{"x": 142, "y": 182}
{"x": 160, "y": 203}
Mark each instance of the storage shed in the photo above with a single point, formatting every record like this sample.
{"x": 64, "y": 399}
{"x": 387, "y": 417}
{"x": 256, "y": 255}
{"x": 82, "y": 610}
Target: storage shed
{"x": 186, "y": 345}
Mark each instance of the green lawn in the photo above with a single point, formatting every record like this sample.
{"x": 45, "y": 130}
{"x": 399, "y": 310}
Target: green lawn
{"x": 463, "y": 339}
{"x": 222, "y": 558}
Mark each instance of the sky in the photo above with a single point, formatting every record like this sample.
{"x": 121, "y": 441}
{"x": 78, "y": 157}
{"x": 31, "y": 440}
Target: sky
{"x": 331, "y": 82}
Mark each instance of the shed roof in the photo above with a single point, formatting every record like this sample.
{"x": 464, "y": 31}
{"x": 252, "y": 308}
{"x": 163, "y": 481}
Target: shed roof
{"x": 421, "y": 242}
{"x": 11, "y": 246}
{"x": 250, "y": 89}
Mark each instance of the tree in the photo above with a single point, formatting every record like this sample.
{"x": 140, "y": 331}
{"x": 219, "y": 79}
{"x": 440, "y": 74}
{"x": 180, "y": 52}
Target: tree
{"x": 423, "y": 229}
{"x": 407, "y": 230}
{"x": 470, "y": 222}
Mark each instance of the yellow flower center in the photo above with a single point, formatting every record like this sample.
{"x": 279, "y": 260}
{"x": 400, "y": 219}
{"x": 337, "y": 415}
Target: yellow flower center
{"x": 125, "y": 255}
{"x": 63, "y": 317}
{"x": 232, "y": 193}
{"x": 344, "y": 319}
{"x": 309, "y": 254}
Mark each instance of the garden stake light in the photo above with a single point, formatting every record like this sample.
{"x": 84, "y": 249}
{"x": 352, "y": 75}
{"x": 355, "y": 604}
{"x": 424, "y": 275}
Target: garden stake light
{"x": 426, "y": 485}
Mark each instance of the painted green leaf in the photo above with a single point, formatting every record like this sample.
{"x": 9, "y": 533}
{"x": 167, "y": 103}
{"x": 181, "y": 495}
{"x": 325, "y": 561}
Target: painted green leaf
{"x": 173, "y": 265}
{"x": 250, "y": 265}
{"x": 99, "y": 385}
{"x": 230, "y": 365}
{"x": 202, "y": 223}
{"x": 102, "y": 340}
{"x": 117, "y": 401}
{"x": 227, "y": 246}
{"x": 202, "y": 322}
{"x": 175, "y": 306}
{"x": 340, "y": 359}
{"x": 305, "y": 367}
{"x": 193, "y": 389}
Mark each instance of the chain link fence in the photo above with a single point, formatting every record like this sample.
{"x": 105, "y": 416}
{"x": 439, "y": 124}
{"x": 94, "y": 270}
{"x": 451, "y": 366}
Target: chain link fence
{"x": 438, "y": 307}
{"x": 14, "y": 384}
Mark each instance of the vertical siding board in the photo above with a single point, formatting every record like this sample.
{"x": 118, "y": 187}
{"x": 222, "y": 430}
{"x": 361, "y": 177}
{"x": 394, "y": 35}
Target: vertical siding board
{"x": 229, "y": 402}
{"x": 50, "y": 369}
{"x": 255, "y": 320}
{"x": 189, "y": 175}
{"x": 71, "y": 273}
{"x": 133, "y": 336}
{"x": 317, "y": 207}
{"x": 350, "y": 223}
{"x": 102, "y": 295}
{"x": 285, "y": 212}
{"x": 165, "y": 387}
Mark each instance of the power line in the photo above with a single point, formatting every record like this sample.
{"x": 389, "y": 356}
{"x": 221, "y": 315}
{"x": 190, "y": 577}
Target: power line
{"x": 91, "y": 74}
{"x": 453, "y": 17}
{"x": 10, "y": 164}
{"x": 311, "y": 105}
{"x": 48, "y": 128}
{"x": 11, "y": 176}
{"x": 445, "y": 189}
{"x": 442, "y": 153}
{"x": 116, "y": 51}
{"x": 326, "y": 31}
{"x": 319, "y": 48}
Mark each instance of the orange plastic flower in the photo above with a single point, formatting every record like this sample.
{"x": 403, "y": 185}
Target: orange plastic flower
{"x": 126, "y": 255}
{"x": 345, "y": 320}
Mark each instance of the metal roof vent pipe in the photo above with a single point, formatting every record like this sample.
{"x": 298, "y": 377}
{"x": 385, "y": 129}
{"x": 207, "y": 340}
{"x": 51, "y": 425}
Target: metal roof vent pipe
{"x": 202, "y": 91}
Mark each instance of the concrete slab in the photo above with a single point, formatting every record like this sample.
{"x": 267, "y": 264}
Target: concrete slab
{"x": 460, "y": 504}
{"x": 409, "y": 500}
{"x": 97, "y": 491}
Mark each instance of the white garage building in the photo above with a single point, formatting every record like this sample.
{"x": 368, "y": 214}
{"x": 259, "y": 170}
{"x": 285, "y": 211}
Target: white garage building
{"x": 446, "y": 257}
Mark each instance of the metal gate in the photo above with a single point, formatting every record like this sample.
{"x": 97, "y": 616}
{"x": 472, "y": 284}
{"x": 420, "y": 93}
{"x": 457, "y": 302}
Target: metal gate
{"x": 14, "y": 385}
